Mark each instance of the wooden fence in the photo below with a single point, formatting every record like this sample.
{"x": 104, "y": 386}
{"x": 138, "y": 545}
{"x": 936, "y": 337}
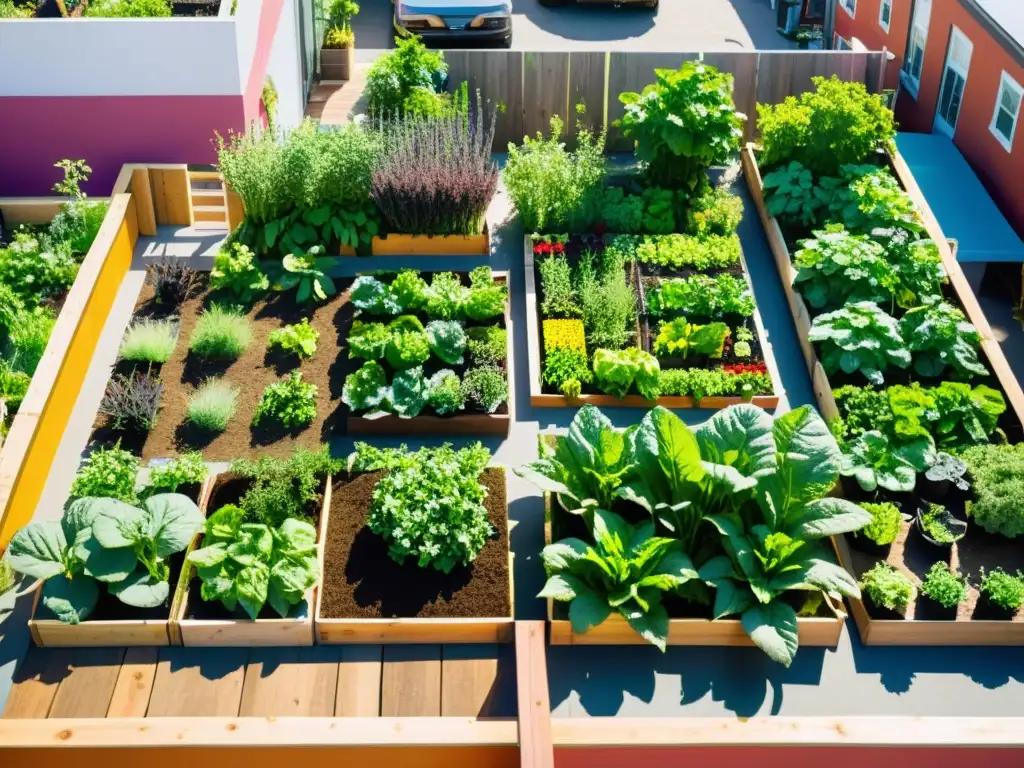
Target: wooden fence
{"x": 533, "y": 87}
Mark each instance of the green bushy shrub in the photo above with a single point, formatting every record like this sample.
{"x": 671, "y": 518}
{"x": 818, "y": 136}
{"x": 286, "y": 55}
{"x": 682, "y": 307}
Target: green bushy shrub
{"x": 221, "y": 334}
{"x": 997, "y": 479}
{"x": 212, "y": 405}
{"x": 149, "y": 341}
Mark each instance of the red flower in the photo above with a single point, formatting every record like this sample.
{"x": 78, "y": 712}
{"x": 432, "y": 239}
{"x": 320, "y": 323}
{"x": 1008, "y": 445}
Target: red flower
{"x": 558, "y": 248}
{"x": 739, "y": 368}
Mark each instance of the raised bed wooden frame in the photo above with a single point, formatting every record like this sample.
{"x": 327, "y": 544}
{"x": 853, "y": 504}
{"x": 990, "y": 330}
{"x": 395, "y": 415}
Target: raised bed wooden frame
{"x": 898, "y": 631}
{"x": 430, "y": 424}
{"x": 816, "y": 631}
{"x": 393, "y": 631}
{"x": 244, "y": 632}
{"x": 541, "y": 399}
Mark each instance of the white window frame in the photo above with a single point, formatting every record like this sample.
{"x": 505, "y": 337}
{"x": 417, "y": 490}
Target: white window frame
{"x": 919, "y": 27}
{"x": 956, "y": 36}
{"x": 881, "y": 7}
{"x": 842, "y": 44}
{"x": 850, "y": 6}
{"x": 1005, "y": 81}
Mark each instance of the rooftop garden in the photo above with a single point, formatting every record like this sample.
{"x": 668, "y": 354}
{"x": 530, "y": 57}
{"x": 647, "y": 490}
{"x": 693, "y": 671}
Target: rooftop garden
{"x": 108, "y": 9}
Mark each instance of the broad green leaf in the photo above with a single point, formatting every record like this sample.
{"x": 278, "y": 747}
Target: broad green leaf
{"x": 731, "y": 599}
{"x": 279, "y": 601}
{"x": 38, "y": 549}
{"x": 773, "y": 629}
{"x": 563, "y": 554}
{"x": 546, "y": 474}
{"x": 251, "y": 587}
{"x": 651, "y": 626}
{"x": 809, "y": 458}
{"x": 587, "y": 610}
{"x": 585, "y": 433}
{"x": 827, "y": 517}
{"x": 219, "y": 586}
{"x": 296, "y": 537}
{"x": 651, "y": 551}
{"x": 70, "y": 600}
{"x": 611, "y": 532}
{"x": 118, "y": 524}
{"x": 78, "y": 519}
{"x": 717, "y": 569}
{"x": 739, "y": 437}
{"x": 830, "y": 578}
{"x": 140, "y": 590}
{"x": 207, "y": 557}
{"x": 677, "y": 564}
{"x": 224, "y": 523}
{"x": 294, "y": 577}
{"x": 109, "y": 565}
{"x": 174, "y": 519}
{"x": 667, "y": 455}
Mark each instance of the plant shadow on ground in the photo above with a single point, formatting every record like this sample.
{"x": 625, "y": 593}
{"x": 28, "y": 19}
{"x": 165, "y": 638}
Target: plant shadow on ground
{"x": 740, "y": 678}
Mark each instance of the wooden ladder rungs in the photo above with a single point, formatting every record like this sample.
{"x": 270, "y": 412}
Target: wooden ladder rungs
{"x": 210, "y": 209}
{"x": 204, "y": 175}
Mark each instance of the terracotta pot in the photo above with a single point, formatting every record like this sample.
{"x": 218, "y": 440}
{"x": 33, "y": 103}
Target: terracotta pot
{"x": 336, "y": 63}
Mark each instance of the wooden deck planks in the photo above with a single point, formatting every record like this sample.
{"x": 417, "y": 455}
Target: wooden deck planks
{"x": 203, "y": 684}
{"x": 290, "y": 682}
{"x": 411, "y": 681}
{"x": 86, "y": 689}
{"x": 469, "y": 677}
{"x": 134, "y": 683}
{"x": 35, "y": 683}
{"x": 359, "y": 677}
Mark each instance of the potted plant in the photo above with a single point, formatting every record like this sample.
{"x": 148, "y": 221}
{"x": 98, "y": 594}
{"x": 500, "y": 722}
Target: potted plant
{"x": 337, "y": 54}
{"x": 887, "y": 591}
{"x": 1001, "y": 594}
{"x": 878, "y": 536}
{"x": 938, "y": 526}
{"x": 942, "y": 592}
{"x": 945, "y": 472}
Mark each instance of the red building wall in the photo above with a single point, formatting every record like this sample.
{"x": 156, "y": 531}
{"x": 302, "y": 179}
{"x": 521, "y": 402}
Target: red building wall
{"x": 865, "y": 27}
{"x": 1000, "y": 171}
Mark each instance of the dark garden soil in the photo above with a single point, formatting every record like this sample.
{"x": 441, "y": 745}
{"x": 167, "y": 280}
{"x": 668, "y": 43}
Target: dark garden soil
{"x": 251, "y": 374}
{"x": 912, "y": 555}
{"x": 362, "y": 582}
{"x": 196, "y": 7}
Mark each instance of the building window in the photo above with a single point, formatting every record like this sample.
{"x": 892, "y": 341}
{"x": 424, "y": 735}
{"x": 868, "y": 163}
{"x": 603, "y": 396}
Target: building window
{"x": 842, "y": 44}
{"x": 850, "y": 6}
{"x": 913, "y": 64}
{"x": 1004, "y": 119}
{"x": 885, "y": 14}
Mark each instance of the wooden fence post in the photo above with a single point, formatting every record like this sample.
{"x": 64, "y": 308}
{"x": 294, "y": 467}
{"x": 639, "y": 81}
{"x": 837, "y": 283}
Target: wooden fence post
{"x": 536, "y": 749}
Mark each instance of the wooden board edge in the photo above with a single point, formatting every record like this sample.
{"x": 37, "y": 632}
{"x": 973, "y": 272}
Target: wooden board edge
{"x": 398, "y": 244}
{"x": 536, "y": 745}
{"x": 720, "y": 633}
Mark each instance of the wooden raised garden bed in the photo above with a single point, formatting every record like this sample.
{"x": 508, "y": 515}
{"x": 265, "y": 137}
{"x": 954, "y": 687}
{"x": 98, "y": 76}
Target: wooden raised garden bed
{"x": 381, "y": 601}
{"x": 641, "y": 277}
{"x": 824, "y": 630}
{"x": 114, "y": 624}
{"x": 432, "y": 245}
{"x": 909, "y": 553}
{"x": 470, "y": 421}
{"x": 198, "y": 623}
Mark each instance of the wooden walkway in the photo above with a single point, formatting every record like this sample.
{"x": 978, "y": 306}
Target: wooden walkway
{"x": 336, "y": 103}
{"x": 339, "y": 681}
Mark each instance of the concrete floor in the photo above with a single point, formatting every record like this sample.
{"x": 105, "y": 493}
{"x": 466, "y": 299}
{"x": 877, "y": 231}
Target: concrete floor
{"x": 678, "y": 25}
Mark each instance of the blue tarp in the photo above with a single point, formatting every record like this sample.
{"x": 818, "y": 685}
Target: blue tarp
{"x": 964, "y": 209}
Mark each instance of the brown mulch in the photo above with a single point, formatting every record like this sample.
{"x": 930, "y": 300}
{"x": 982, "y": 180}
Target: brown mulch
{"x": 251, "y": 373}
{"x": 362, "y": 582}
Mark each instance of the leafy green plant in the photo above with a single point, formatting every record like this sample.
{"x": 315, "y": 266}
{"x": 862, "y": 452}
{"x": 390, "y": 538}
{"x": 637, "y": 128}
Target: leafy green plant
{"x": 964, "y": 414}
{"x": 444, "y": 392}
{"x": 251, "y": 565}
{"x": 299, "y": 339}
{"x": 36, "y": 270}
{"x": 405, "y": 80}
{"x": 366, "y": 388}
{"x": 885, "y": 523}
{"x": 212, "y": 406}
{"x": 681, "y": 338}
{"x": 997, "y": 479}
{"x": 308, "y": 274}
{"x": 836, "y": 124}
{"x": 563, "y": 364}
{"x": 939, "y": 524}
{"x": 945, "y": 586}
{"x": 128, "y": 9}
{"x": 27, "y": 337}
{"x": 918, "y": 266}
{"x": 608, "y": 303}
{"x": 291, "y": 402}
{"x": 446, "y": 296}
{"x": 874, "y": 462}
{"x": 703, "y": 382}
{"x": 108, "y": 541}
{"x": 617, "y": 371}
{"x": 684, "y": 251}
{"x": 948, "y": 468}
{"x": 13, "y": 388}
{"x": 285, "y": 488}
{"x": 1003, "y": 590}
{"x": 860, "y": 337}
{"x": 429, "y": 504}
{"x": 557, "y": 288}
{"x": 886, "y": 587}
{"x": 626, "y": 570}
{"x": 835, "y": 268}
{"x": 407, "y": 292}
{"x": 408, "y": 343}
{"x": 792, "y": 197}
{"x": 874, "y": 200}
{"x": 408, "y": 393}
{"x": 487, "y": 297}
{"x": 107, "y": 473}
{"x": 236, "y": 272}
{"x": 555, "y": 189}
{"x": 683, "y": 123}
{"x": 148, "y": 340}
{"x": 710, "y": 296}
{"x": 940, "y": 336}
{"x": 221, "y": 333}
{"x": 487, "y": 345}
{"x": 188, "y": 469}
{"x": 715, "y": 212}
{"x": 368, "y": 340}
{"x": 447, "y": 340}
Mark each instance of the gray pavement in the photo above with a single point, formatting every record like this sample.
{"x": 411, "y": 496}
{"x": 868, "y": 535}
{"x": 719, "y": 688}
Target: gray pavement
{"x": 678, "y": 25}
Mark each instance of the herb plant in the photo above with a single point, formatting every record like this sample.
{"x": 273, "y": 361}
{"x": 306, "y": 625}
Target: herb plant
{"x": 404, "y": 81}
{"x": 557, "y": 287}
{"x": 444, "y": 392}
{"x": 212, "y": 406}
{"x": 939, "y": 336}
{"x": 944, "y": 585}
{"x": 236, "y": 272}
{"x": 284, "y": 488}
{"x": 617, "y": 371}
{"x": 366, "y": 388}
{"x": 702, "y": 296}
{"x": 886, "y": 587}
{"x": 681, "y": 338}
{"x": 860, "y": 337}
{"x": 132, "y": 401}
{"x": 299, "y": 339}
{"x": 608, "y": 303}
{"x": 308, "y": 274}
{"x": 107, "y": 473}
{"x": 1003, "y": 590}
{"x": 150, "y": 341}
{"x": 997, "y": 479}
{"x": 885, "y": 523}
{"x": 875, "y": 463}
{"x": 221, "y": 333}
{"x": 291, "y": 403}
{"x": 486, "y": 387}
{"x": 172, "y": 281}
{"x": 188, "y": 469}
{"x": 109, "y": 541}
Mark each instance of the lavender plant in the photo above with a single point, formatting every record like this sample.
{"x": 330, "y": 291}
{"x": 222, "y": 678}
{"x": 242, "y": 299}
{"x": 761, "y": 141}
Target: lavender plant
{"x": 436, "y": 175}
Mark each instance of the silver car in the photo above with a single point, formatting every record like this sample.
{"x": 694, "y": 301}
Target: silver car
{"x": 454, "y": 22}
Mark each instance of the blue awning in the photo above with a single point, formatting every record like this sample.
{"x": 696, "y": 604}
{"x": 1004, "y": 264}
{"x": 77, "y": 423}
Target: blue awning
{"x": 963, "y": 207}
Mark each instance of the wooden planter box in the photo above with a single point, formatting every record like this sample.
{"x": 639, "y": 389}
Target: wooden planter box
{"x": 541, "y": 399}
{"x": 433, "y": 245}
{"x": 245, "y": 632}
{"x": 430, "y": 424}
{"x": 823, "y": 631}
{"x": 896, "y": 631}
{"x": 337, "y": 63}
{"x": 50, "y": 633}
{"x": 413, "y": 630}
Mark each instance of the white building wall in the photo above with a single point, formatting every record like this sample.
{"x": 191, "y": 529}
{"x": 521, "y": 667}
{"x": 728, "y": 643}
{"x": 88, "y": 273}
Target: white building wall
{"x": 285, "y": 68}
